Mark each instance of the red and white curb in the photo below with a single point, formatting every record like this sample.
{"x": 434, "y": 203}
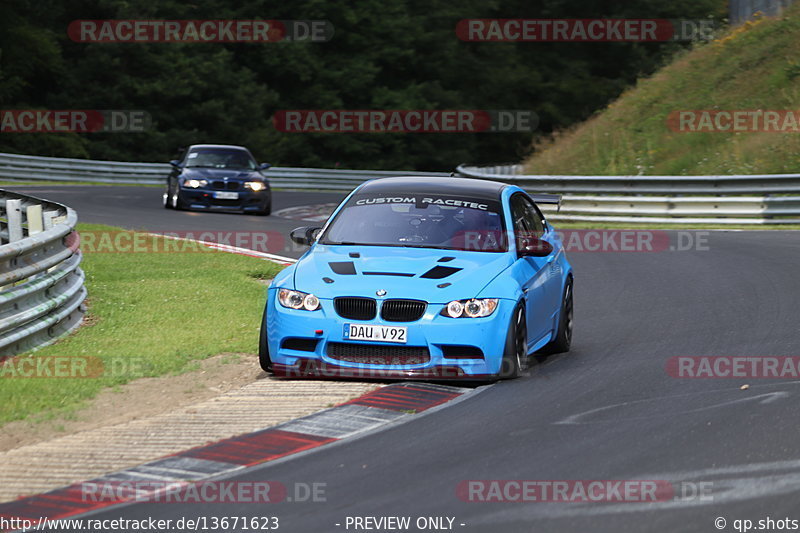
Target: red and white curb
{"x": 378, "y": 408}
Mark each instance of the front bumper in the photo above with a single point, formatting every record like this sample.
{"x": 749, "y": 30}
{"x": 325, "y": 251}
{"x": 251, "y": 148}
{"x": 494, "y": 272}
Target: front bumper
{"x": 300, "y": 344}
{"x": 206, "y": 199}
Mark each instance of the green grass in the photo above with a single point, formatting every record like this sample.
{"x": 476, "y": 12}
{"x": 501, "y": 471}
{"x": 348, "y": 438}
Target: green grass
{"x": 752, "y": 67}
{"x": 163, "y": 311}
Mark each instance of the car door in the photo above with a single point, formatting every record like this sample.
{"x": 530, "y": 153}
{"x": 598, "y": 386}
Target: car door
{"x": 550, "y": 269}
{"x": 531, "y": 271}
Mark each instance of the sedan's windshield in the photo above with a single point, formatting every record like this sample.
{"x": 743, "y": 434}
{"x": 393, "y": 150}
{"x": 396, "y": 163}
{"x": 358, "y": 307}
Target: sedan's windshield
{"x": 220, "y": 158}
{"x": 419, "y": 221}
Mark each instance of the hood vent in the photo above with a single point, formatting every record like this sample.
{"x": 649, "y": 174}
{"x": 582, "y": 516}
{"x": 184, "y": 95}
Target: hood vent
{"x": 440, "y": 272}
{"x": 343, "y": 268}
{"x": 401, "y": 274}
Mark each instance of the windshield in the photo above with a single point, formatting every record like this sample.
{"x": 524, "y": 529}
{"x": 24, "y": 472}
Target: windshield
{"x": 419, "y": 221}
{"x": 220, "y": 158}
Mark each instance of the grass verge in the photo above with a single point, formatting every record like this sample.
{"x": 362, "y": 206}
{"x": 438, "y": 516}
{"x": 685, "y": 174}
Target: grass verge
{"x": 150, "y": 314}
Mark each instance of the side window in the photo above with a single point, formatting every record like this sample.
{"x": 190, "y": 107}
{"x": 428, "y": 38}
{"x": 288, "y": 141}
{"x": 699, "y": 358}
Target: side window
{"x": 518, "y": 214}
{"x": 534, "y": 218}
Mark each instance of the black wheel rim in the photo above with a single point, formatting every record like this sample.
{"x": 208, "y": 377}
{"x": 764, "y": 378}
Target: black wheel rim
{"x": 568, "y": 314}
{"x": 521, "y": 339}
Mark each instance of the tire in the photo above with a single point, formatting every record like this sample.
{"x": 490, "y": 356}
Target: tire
{"x": 563, "y": 339}
{"x": 267, "y": 209}
{"x": 515, "y": 354}
{"x": 263, "y": 346}
{"x": 175, "y": 198}
{"x": 166, "y": 199}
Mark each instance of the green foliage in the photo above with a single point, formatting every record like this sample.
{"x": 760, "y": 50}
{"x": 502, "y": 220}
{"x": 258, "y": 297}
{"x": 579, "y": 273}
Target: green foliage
{"x": 752, "y": 67}
{"x": 400, "y": 54}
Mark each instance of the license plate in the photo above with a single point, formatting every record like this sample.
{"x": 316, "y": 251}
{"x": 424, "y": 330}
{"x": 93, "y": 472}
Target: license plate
{"x": 366, "y": 332}
{"x": 226, "y": 195}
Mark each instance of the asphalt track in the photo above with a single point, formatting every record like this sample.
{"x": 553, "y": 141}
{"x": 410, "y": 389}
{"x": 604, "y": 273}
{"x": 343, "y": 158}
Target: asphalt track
{"x": 607, "y": 410}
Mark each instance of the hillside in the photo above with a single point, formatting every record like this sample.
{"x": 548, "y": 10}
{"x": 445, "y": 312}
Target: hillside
{"x": 753, "y": 67}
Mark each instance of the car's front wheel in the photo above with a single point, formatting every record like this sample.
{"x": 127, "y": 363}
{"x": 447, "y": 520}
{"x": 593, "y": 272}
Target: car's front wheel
{"x": 263, "y": 346}
{"x": 266, "y": 210}
{"x": 175, "y": 199}
{"x": 166, "y": 200}
{"x": 515, "y": 354}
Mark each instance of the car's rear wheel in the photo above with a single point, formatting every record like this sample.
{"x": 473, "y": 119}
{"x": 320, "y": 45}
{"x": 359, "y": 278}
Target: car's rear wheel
{"x": 263, "y": 346}
{"x": 515, "y": 355}
{"x": 563, "y": 339}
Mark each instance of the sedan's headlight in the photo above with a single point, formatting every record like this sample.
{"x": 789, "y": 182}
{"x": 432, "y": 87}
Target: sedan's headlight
{"x": 298, "y": 300}
{"x": 195, "y": 184}
{"x": 255, "y": 185}
{"x": 475, "y": 308}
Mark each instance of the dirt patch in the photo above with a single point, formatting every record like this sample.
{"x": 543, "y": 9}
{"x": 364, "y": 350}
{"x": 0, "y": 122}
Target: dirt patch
{"x": 141, "y": 398}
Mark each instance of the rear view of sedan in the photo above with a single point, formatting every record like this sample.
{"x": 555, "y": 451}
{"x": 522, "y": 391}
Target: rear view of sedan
{"x": 217, "y": 177}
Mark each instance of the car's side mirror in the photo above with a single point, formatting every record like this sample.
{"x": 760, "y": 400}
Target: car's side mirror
{"x": 175, "y": 163}
{"x": 533, "y": 247}
{"x": 264, "y": 166}
{"x": 306, "y": 235}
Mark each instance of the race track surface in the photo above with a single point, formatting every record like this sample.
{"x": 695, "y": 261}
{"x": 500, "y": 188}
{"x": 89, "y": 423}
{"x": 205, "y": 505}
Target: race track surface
{"x": 608, "y": 410}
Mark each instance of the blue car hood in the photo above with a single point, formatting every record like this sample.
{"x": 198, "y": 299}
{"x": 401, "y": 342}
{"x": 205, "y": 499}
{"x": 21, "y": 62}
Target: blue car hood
{"x": 219, "y": 173}
{"x": 414, "y": 273}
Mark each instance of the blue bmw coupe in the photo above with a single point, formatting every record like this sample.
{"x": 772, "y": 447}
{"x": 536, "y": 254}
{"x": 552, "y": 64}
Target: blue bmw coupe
{"x": 422, "y": 278}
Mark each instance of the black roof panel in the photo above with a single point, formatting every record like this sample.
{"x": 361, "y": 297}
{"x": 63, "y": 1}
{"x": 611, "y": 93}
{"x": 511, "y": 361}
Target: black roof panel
{"x": 473, "y": 188}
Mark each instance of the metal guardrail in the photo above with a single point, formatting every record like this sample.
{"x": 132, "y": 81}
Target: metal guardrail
{"x": 41, "y": 284}
{"x": 746, "y": 199}
{"x": 35, "y": 168}
{"x": 661, "y": 199}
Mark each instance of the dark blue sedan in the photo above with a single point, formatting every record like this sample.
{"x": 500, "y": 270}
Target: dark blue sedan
{"x": 218, "y": 177}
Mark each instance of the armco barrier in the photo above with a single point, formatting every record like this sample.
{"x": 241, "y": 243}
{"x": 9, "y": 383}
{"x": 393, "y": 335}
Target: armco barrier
{"x": 41, "y": 284}
{"x": 661, "y": 199}
{"x": 35, "y": 168}
{"x": 748, "y": 199}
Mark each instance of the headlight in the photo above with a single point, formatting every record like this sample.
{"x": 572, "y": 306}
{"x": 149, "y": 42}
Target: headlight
{"x": 298, "y": 300}
{"x": 255, "y": 185}
{"x": 475, "y": 308}
{"x": 194, "y": 184}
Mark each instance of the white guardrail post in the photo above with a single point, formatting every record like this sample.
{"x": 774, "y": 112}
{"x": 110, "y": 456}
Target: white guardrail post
{"x": 41, "y": 285}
